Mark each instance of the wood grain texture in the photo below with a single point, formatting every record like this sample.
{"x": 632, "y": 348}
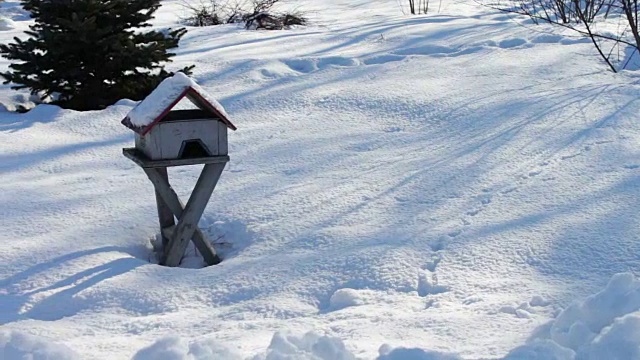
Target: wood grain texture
{"x": 173, "y": 133}
{"x": 165, "y": 215}
{"x": 223, "y": 146}
{"x": 187, "y": 224}
{"x": 173, "y": 202}
{"x": 143, "y": 161}
{"x": 149, "y": 145}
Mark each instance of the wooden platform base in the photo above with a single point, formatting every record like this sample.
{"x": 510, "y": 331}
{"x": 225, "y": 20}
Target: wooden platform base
{"x": 142, "y": 160}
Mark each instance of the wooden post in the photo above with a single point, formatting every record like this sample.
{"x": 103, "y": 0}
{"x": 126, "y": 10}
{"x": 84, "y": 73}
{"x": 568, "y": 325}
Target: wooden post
{"x": 188, "y": 222}
{"x": 179, "y": 235}
{"x": 171, "y": 199}
{"x": 165, "y": 216}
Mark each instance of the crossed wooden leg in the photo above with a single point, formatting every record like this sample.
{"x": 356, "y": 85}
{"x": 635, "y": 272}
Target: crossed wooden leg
{"x": 176, "y": 238}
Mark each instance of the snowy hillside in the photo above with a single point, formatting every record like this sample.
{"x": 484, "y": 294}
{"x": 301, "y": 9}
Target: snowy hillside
{"x": 449, "y": 183}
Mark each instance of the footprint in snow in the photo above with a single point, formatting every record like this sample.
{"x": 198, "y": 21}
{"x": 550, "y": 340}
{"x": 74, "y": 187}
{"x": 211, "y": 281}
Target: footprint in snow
{"x": 433, "y": 264}
{"x": 526, "y": 309}
{"x": 337, "y": 61}
{"x": 571, "y": 156}
{"x": 511, "y": 43}
{"x": 571, "y": 41}
{"x": 546, "y": 39}
{"x": 304, "y": 66}
{"x": 382, "y": 59}
{"x": 456, "y": 232}
{"x": 440, "y": 243}
{"x": 427, "y": 50}
{"x": 534, "y": 173}
{"x": 473, "y": 212}
{"x": 472, "y": 300}
{"x": 292, "y": 171}
{"x": 428, "y": 284}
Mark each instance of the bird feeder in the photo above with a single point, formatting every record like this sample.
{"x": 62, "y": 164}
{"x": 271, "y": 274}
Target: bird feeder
{"x": 164, "y": 138}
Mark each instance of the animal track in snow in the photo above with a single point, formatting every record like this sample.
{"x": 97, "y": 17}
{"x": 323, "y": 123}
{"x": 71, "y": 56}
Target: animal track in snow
{"x": 393, "y": 129}
{"x": 309, "y": 65}
{"x": 304, "y": 66}
{"x": 473, "y": 212}
{"x": 546, "y": 39}
{"x": 440, "y": 244}
{"x": 433, "y": 264}
{"x": 472, "y": 300}
{"x": 571, "y": 156}
{"x": 484, "y": 200}
{"x": 455, "y": 233}
{"x": 526, "y": 309}
{"x": 428, "y": 284}
{"x": 429, "y": 50}
{"x": 511, "y": 43}
{"x": 336, "y": 61}
{"x": 382, "y": 59}
{"x": 278, "y": 69}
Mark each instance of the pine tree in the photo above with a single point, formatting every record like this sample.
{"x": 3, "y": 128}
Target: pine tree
{"x": 90, "y": 53}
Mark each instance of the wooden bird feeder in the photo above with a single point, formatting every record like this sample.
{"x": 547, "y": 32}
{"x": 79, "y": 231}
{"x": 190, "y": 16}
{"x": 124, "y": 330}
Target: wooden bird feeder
{"x": 165, "y": 137}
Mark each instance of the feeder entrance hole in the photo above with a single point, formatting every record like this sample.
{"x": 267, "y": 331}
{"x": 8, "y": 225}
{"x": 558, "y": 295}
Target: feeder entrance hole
{"x": 192, "y": 149}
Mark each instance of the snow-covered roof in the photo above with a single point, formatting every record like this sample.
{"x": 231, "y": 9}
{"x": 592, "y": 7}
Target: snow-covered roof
{"x": 164, "y": 97}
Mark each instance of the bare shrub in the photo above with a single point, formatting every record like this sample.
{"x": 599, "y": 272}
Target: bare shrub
{"x": 255, "y": 14}
{"x": 203, "y": 14}
{"x": 293, "y": 19}
{"x": 609, "y": 24}
{"x": 417, "y": 7}
{"x": 266, "y": 21}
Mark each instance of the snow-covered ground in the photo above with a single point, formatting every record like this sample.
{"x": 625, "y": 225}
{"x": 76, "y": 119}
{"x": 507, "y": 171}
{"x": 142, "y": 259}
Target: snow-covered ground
{"x": 401, "y": 187}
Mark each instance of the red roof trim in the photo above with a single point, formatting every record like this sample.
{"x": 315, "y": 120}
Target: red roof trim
{"x": 210, "y": 107}
{"x": 201, "y": 101}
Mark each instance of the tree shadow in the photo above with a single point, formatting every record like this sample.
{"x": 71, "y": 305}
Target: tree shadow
{"x": 61, "y": 302}
{"x": 12, "y": 122}
{"x": 479, "y": 131}
{"x": 19, "y": 161}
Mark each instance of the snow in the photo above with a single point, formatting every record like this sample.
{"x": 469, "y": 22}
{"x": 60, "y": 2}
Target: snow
{"x": 606, "y": 322}
{"x": 7, "y": 24}
{"x": 17, "y": 345}
{"x": 310, "y": 346}
{"x": 387, "y": 353}
{"x": 605, "y": 325}
{"x": 541, "y": 350}
{"x": 343, "y": 298}
{"x": 164, "y": 96}
{"x": 457, "y": 185}
{"x": 580, "y": 322}
{"x": 175, "y": 348}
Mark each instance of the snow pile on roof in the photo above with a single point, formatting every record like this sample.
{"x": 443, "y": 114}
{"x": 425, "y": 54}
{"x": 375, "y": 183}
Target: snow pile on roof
{"x": 605, "y": 325}
{"x": 17, "y": 345}
{"x": 164, "y": 96}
